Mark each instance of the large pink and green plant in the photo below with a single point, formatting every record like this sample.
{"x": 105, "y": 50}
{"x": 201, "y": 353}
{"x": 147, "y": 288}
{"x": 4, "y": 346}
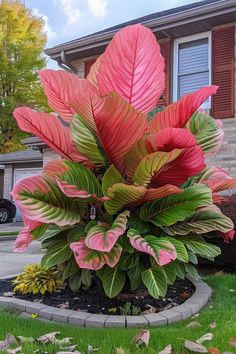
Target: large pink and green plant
{"x": 131, "y": 199}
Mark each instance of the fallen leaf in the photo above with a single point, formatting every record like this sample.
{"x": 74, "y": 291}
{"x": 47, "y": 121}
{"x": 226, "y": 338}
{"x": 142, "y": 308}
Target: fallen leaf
{"x": 14, "y": 351}
{"x": 167, "y": 350}
{"x": 68, "y": 352}
{"x": 7, "y": 342}
{"x": 213, "y": 350}
{"x": 48, "y": 338}
{"x": 63, "y": 341}
{"x": 142, "y": 338}
{"x": 71, "y": 348}
{"x": 232, "y": 341}
{"x": 212, "y": 325}
{"x": 194, "y": 347}
{"x": 112, "y": 310}
{"x": 150, "y": 309}
{"x": 35, "y": 315}
{"x": 193, "y": 324}
{"x": 120, "y": 351}
{"x": 207, "y": 336}
{"x": 23, "y": 340}
{"x": 185, "y": 295}
{"x": 219, "y": 273}
{"x": 91, "y": 349}
{"x": 64, "y": 305}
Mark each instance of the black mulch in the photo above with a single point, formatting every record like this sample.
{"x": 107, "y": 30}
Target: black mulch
{"x": 94, "y": 301}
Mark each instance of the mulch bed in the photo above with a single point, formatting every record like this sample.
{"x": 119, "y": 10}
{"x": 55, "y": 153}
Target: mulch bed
{"x": 94, "y": 301}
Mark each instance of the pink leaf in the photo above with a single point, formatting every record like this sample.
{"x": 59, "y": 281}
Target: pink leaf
{"x": 119, "y": 127}
{"x": 94, "y": 260}
{"x": 59, "y": 86}
{"x": 132, "y": 66}
{"x": 189, "y": 163}
{"x": 50, "y": 130}
{"x": 177, "y": 114}
{"x": 227, "y": 236}
{"x": 93, "y": 72}
{"x": 169, "y": 139}
{"x": 25, "y": 237}
{"x": 103, "y": 238}
{"x": 87, "y": 104}
{"x": 72, "y": 191}
{"x": 160, "y": 249}
{"x": 217, "y": 179}
{"x": 142, "y": 338}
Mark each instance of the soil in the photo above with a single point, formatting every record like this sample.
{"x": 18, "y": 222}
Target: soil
{"x": 94, "y": 301}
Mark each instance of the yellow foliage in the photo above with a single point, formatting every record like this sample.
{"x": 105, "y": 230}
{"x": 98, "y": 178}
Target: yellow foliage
{"x": 36, "y": 279}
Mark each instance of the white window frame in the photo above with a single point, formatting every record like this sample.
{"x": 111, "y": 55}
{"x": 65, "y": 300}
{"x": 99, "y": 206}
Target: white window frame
{"x": 177, "y": 42}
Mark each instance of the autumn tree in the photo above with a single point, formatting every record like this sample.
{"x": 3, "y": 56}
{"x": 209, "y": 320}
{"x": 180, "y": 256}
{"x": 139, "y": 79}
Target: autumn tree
{"x": 22, "y": 41}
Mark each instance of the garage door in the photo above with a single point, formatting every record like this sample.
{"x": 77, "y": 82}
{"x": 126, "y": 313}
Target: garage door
{"x": 20, "y": 173}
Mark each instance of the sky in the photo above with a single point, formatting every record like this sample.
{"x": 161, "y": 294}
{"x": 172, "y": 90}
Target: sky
{"x": 69, "y": 19}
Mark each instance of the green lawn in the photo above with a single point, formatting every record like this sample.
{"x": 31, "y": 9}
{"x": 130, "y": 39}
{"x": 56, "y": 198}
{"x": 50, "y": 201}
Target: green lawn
{"x": 9, "y": 233}
{"x": 222, "y": 310}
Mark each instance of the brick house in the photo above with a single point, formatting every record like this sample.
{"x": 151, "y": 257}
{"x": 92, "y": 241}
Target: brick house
{"x": 198, "y": 44}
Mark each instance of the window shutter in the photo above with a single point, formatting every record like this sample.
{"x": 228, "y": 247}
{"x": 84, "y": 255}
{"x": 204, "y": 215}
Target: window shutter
{"x": 223, "y": 71}
{"x": 87, "y": 66}
{"x": 166, "y": 53}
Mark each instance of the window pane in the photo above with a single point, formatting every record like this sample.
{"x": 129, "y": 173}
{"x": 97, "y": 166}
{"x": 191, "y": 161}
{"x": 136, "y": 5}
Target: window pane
{"x": 193, "y": 56}
{"x": 193, "y": 82}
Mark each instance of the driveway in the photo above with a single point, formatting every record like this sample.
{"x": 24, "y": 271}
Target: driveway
{"x": 12, "y": 263}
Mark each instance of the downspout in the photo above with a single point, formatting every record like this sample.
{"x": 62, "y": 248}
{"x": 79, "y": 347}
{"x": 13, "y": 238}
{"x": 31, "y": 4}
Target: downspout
{"x": 65, "y": 64}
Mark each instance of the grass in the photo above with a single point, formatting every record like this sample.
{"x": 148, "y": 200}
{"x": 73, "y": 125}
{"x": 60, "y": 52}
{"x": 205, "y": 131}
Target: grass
{"x": 9, "y": 233}
{"x": 222, "y": 310}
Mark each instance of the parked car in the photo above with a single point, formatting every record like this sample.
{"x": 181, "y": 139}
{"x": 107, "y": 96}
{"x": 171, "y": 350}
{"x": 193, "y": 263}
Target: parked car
{"x": 7, "y": 210}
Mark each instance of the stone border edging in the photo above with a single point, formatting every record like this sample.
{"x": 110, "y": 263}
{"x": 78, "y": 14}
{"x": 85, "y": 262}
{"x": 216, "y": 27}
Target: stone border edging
{"x": 84, "y": 319}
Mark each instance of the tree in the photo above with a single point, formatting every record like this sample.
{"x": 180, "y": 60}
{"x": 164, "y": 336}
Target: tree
{"x": 22, "y": 41}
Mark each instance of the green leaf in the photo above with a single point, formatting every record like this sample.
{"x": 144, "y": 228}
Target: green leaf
{"x": 191, "y": 270}
{"x": 86, "y": 141}
{"x": 111, "y": 176}
{"x": 192, "y": 257}
{"x": 124, "y": 243}
{"x": 89, "y": 225}
{"x": 58, "y": 253}
{"x": 70, "y": 269}
{"x": 207, "y": 130}
{"x": 180, "y": 270}
{"x": 123, "y": 194}
{"x": 75, "y": 234}
{"x": 39, "y": 231}
{"x": 113, "y": 281}
{"x": 139, "y": 225}
{"x": 198, "y": 245}
{"x": 134, "y": 275}
{"x": 86, "y": 278}
{"x": 75, "y": 282}
{"x": 202, "y": 221}
{"x": 182, "y": 254}
{"x": 170, "y": 271}
{"x": 155, "y": 281}
{"x": 168, "y": 210}
{"x": 128, "y": 260}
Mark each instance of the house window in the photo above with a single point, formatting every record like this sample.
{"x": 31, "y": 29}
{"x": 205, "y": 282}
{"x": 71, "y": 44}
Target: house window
{"x": 192, "y": 65}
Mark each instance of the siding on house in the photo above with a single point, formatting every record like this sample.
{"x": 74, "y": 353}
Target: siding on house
{"x": 1, "y": 183}
{"x": 49, "y": 155}
{"x": 9, "y": 176}
{"x": 226, "y": 157}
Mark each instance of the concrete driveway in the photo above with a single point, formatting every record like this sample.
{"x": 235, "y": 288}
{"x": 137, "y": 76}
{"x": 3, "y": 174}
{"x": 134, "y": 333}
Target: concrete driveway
{"x": 13, "y": 263}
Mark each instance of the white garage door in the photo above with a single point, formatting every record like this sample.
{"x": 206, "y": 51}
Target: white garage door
{"x": 20, "y": 173}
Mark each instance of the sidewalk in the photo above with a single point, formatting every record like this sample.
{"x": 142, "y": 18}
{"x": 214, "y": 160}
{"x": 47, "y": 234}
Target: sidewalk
{"x": 13, "y": 263}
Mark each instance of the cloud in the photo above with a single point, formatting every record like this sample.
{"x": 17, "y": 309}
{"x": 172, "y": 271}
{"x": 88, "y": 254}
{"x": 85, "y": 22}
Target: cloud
{"x": 47, "y": 28}
{"x": 98, "y": 7}
{"x": 71, "y": 10}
